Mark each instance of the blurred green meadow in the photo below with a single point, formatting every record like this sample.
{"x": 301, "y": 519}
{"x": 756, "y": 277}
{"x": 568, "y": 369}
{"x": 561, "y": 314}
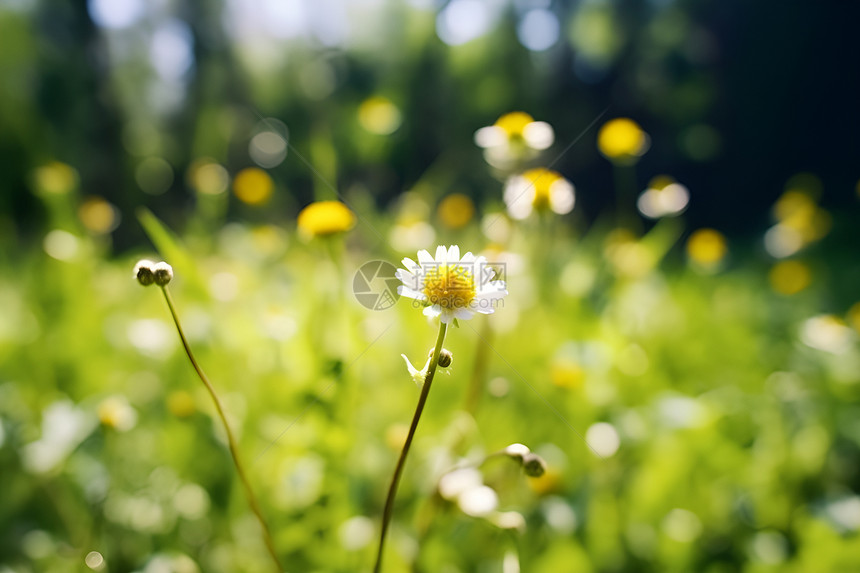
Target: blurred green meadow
{"x": 679, "y": 344}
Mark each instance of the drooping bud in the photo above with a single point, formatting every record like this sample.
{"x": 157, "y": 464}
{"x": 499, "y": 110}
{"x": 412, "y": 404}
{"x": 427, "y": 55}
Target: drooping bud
{"x": 533, "y": 465}
{"x": 163, "y": 273}
{"x": 517, "y": 451}
{"x": 143, "y": 272}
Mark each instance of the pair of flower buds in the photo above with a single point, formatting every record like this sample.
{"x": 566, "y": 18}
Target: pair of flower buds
{"x": 147, "y": 272}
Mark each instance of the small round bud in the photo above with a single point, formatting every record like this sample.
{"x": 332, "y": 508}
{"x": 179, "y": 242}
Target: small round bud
{"x": 163, "y": 273}
{"x": 517, "y": 451}
{"x": 533, "y": 465}
{"x": 143, "y": 272}
{"x": 445, "y": 357}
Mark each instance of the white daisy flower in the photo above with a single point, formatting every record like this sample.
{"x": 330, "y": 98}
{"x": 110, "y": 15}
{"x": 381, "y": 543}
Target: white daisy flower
{"x": 451, "y": 287}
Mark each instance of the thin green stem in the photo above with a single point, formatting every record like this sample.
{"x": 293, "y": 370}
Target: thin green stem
{"x": 398, "y": 470}
{"x": 231, "y": 440}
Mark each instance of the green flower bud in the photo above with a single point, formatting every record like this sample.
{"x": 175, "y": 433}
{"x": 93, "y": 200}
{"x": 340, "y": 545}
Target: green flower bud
{"x": 445, "y": 357}
{"x": 143, "y": 272}
{"x": 163, "y": 273}
{"x": 533, "y": 465}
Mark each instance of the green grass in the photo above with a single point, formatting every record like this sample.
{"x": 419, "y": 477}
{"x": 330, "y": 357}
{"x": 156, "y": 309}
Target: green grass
{"x": 738, "y": 442}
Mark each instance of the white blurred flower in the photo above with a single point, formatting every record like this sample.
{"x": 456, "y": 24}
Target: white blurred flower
{"x": 515, "y": 136}
{"x": 538, "y": 190}
{"x": 663, "y": 198}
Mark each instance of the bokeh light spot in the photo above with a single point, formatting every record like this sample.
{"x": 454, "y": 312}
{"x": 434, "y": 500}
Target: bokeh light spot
{"x": 268, "y": 149}
{"x": 707, "y": 247}
{"x": 116, "y": 14}
{"x": 154, "y": 175}
{"x": 603, "y": 439}
{"x": 61, "y": 245}
{"x": 538, "y": 30}
{"x": 208, "y": 177}
{"x": 790, "y": 277}
{"x": 94, "y": 561}
{"x": 462, "y": 21}
{"x": 171, "y": 51}
{"x": 55, "y": 178}
{"x": 98, "y": 215}
{"x": 456, "y": 210}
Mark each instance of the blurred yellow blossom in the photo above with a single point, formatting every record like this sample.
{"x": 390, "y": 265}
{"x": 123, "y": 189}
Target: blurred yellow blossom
{"x": 379, "y": 115}
{"x": 115, "y": 412}
{"x": 854, "y": 316}
{"x": 799, "y": 219}
{"x": 253, "y": 186}
{"x": 98, "y": 215}
{"x": 622, "y": 140}
{"x": 549, "y": 482}
{"x": 207, "y": 177}
{"x": 325, "y": 218}
{"x": 539, "y": 190}
{"x": 790, "y": 277}
{"x": 707, "y": 248}
{"x": 180, "y": 403}
{"x": 456, "y": 210}
{"x": 395, "y": 436}
{"x": 567, "y": 373}
{"x": 55, "y": 178}
{"x": 628, "y": 256}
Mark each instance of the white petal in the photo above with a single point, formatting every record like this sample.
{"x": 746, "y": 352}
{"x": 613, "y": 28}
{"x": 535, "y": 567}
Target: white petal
{"x": 490, "y": 136}
{"x": 487, "y": 310}
{"x": 447, "y": 315}
{"x": 424, "y": 257}
{"x": 493, "y": 287}
{"x": 453, "y": 254}
{"x": 433, "y": 311}
{"x": 410, "y": 265}
{"x": 411, "y": 293}
{"x": 441, "y": 254}
{"x": 468, "y": 258}
{"x": 463, "y": 313}
{"x": 561, "y": 197}
{"x": 406, "y": 277}
{"x": 538, "y": 134}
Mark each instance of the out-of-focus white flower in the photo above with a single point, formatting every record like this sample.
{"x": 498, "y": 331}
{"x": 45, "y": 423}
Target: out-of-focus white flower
{"x": 515, "y": 136}
{"x": 538, "y": 190}
{"x": 664, "y": 197}
{"x": 451, "y": 287}
{"x": 828, "y": 333}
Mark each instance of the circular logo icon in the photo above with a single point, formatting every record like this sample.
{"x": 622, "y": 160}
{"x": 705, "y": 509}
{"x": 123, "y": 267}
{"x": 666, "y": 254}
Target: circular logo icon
{"x": 375, "y": 286}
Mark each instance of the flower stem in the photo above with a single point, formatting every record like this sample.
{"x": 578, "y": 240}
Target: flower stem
{"x": 398, "y": 470}
{"x": 231, "y": 440}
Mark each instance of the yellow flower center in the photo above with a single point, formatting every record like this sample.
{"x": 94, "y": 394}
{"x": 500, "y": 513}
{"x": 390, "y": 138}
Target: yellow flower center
{"x": 514, "y": 123}
{"x": 449, "y": 286}
{"x": 542, "y": 181}
{"x": 621, "y": 138}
